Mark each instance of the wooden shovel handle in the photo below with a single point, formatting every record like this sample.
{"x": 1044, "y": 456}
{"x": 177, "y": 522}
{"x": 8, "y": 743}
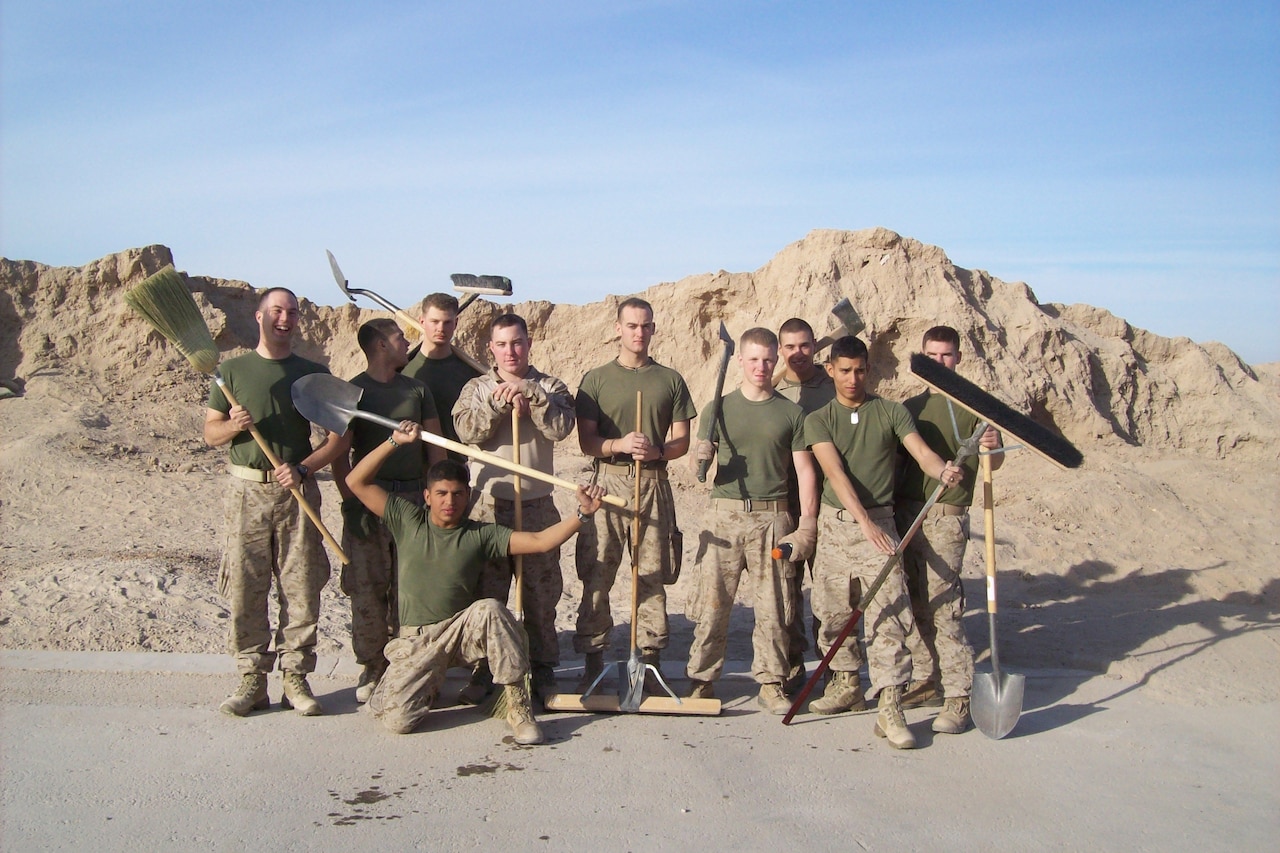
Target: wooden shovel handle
{"x": 519, "y": 510}
{"x": 989, "y": 530}
{"x": 635, "y": 535}
{"x": 403, "y": 317}
{"x": 297, "y": 492}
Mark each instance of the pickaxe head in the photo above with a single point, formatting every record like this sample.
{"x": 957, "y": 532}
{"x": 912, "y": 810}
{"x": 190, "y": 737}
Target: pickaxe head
{"x": 726, "y": 337}
{"x": 848, "y": 317}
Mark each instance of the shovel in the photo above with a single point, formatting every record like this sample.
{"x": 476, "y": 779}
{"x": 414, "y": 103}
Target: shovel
{"x": 996, "y": 703}
{"x": 327, "y": 401}
{"x": 630, "y": 701}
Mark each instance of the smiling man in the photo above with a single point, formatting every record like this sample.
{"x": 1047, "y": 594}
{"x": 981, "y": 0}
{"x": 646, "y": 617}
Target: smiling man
{"x": 267, "y": 533}
{"x": 856, "y": 438}
{"x": 483, "y": 416}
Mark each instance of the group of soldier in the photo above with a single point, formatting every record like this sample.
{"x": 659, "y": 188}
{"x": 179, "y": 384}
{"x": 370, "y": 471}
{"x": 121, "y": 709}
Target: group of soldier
{"x": 432, "y": 544}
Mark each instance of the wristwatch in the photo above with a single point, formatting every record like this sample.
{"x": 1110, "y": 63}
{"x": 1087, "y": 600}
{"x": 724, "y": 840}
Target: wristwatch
{"x": 582, "y": 516}
{"x": 303, "y": 471}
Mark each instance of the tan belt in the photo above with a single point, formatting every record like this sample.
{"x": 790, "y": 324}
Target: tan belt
{"x": 876, "y": 513}
{"x": 629, "y": 470}
{"x": 253, "y": 475}
{"x": 748, "y": 505}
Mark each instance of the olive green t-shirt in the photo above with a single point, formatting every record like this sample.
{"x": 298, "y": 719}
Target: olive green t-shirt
{"x": 444, "y": 378}
{"x": 607, "y": 395}
{"x": 438, "y": 568}
{"x": 933, "y": 422}
{"x": 868, "y": 447}
{"x": 756, "y": 442}
{"x": 811, "y": 394}
{"x": 263, "y": 386}
{"x": 401, "y": 399}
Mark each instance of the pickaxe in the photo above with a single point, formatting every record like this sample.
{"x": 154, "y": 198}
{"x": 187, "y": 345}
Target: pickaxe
{"x": 474, "y": 285}
{"x": 850, "y": 324}
{"x": 704, "y": 464}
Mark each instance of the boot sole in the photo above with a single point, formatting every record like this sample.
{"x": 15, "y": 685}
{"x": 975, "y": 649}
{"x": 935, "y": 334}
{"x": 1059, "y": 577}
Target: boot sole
{"x": 317, "y": 711}
{"x": 857, "y": 706}
{"x": 879, "y": 732}
{"x": 260, "y": 705}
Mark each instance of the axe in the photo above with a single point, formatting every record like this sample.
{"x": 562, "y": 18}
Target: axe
{"x": 704, "y": 464}
{"x": 850, "y": 324}
{"x": 475, "y": 285}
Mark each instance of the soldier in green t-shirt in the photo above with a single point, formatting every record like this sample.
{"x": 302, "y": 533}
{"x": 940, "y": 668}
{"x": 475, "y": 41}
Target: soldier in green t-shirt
{"x": 941, "y": 656}
{"x": 437, "y": 365}
{"x": 756, "y": 438}
{"x": 606, "y": 404}
{"x": 440, "y": 554}
{"x": 267, "y": 533}
{"x": 369, "y": 579}
{"x": 855, "y": 438}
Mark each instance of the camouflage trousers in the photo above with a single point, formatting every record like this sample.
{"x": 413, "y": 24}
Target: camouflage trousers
{"x": 543, "y": 581}
{"x": 369, "y": 580}
{"x": 849, "y": 564}
{"x": 419, "y": 657}
{"x": 269, "y": 536}
{"x": 932, "y": 563}
{"x": 734, "y": 541}
{"x": 598, "y": 553}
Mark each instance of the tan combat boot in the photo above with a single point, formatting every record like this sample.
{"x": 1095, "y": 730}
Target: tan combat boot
{"x": 922, "y": 694}
{"x": 843, "y": 693}
{"x": 478, "y": 687}
{"x": 701, "y": 689}
{"x": 298, "y": 695}
{"x": 251, "y": 695}
{"x": 890, "y": 724}
{"x": 369, "y": 678}
{"x": 524, "y": 727}
{"x": 773, "y": 700}
{"x": 954, "y": 717}
{"x": 591, "y": 669}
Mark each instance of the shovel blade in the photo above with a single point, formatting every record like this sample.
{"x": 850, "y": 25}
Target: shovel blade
{"x": 996, "y": 702}
{"x": 629, "y": 701}
{"x": 326, "y": 401}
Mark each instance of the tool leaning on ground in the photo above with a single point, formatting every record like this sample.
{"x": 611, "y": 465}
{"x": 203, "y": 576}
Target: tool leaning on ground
{"x": 474, "y": 285}
{"x": 631, "y": 698}
{"x": 164, "y": 301}
{"x": 716, "y": 401}
{"x": 850, "y": 324}
{"x": 500, "y": 707}
{"x": 329, "y": 402}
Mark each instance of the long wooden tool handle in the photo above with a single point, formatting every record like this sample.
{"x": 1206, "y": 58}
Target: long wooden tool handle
{"x": 635, "y": 535}
{"x": 519, "y": 512}
{"x": 404, "y": 317}
{"x": 485, "y": 457}
{"x": 989, "y": 532}
{"x": 297, "y": 492}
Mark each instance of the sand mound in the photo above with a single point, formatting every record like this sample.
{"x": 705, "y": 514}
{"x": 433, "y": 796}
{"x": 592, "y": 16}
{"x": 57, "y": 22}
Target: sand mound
{"x": 1155, "y": 561}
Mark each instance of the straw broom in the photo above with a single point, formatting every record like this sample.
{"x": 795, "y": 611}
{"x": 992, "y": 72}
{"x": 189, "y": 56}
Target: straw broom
{"x": 164, "y": 301}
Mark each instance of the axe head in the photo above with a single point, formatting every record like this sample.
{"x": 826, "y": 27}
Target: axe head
{"x": 848, "y": 317}
{"x": 726, "y": 337}
{"x": 483, "y": 285}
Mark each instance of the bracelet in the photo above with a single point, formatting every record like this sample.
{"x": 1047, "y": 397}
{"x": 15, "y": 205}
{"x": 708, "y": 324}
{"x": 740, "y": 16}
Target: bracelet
{"x": 582, "y": 516}
{"x": 391, "y": 439}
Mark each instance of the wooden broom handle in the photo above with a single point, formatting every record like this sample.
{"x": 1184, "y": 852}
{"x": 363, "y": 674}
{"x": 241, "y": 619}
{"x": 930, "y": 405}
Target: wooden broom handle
{"x": 519, "y": 514}
{"x": 297, "y": 492}
{"x": 404, "y": 317}
{"x": 635, "y": 535}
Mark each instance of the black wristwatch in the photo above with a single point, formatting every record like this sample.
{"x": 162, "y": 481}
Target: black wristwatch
{"x": 303, "y": 471}
{"x": 582, "y": 516}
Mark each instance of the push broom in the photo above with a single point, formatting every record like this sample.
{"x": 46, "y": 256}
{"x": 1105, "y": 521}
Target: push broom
{"x": 164, "y": 301}
{"x": 500, "y": 706}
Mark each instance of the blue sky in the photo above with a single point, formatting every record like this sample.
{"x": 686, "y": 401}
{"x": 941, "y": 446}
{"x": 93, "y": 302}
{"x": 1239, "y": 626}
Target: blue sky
{"x": 1126, "y": 155}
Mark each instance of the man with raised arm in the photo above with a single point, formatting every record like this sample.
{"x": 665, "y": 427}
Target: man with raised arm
{"x": 440, "y": 555}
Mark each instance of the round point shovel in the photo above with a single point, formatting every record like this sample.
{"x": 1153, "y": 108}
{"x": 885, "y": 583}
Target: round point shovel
{"x": 996, "y": 703}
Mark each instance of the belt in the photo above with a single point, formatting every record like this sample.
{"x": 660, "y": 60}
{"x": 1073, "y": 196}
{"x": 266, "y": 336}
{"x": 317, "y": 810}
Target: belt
{"x": 401, "y": 485}
{"x": 630, "y": 470}
{"x": 529, "y": 502}
{"x": 876, "y": 513}
{"x": 748, "y": 505}
{"x": 253, "y": 475}
{"x": 937, "y": 509}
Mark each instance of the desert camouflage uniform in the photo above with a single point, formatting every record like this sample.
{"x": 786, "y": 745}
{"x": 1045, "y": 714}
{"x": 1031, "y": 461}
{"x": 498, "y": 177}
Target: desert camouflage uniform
{"x": 484, "y": 422}
{"x": 599, "y": 553}
{"x": 420, "y": 655}
{"x": 369, "y": 580}
{"x": 543, "y": 580}
{"x": 735, "y": 539}
{"x": 268, "y": 534}
{"x": 849, "y": 564}
{"x": 940, "y": 652}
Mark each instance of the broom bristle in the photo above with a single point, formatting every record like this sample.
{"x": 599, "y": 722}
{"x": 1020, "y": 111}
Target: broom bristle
{"x": 164, "y": 301}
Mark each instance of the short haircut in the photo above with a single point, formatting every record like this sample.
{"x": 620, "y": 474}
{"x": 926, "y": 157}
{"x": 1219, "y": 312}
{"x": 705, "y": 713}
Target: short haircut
{"x": 942, "y": 335}
{"x": 794, "y": 325}
{"x": 262, "y": 300}
{"x": 848, "y": 347}
{"x": 634, "y": 302}
{"x": 450, "y": 470}
{"x": 506, "y": 321}
{"x": 373, "y": 331}
{"x": 759, "y": 335}
{"x": 440, "y": 301}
